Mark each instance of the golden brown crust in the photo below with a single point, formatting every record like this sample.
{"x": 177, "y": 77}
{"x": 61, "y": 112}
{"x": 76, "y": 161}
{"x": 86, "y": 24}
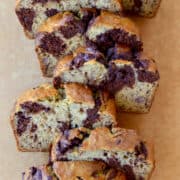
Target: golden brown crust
{"x": 128, "y": 141}
{"x": 79, "y": 93}
{"x": 17, "y": 3}
{"x": 51, "y": 28}
{"x": 54, "y": 22}
{"x": 77, "y": 132}
{"x": 110, "y": 108}
{"x": 110, "y": 20}
{"x": 126, "y": 98}
{"x": 103, "y": 139}
{"x": 84, "y": 169}
{"x": 44, "y": 91}
{"x": 75, "y": 93}
{"x": 71, "y": 135}
{"x": 128, "y": 138}
{"x": 152, "y": 67}
{"x": 108, "y": 105}
{"x": 81, "y": 49}
{"x": 123, "y": 62}
{"x": 63, "y": 65}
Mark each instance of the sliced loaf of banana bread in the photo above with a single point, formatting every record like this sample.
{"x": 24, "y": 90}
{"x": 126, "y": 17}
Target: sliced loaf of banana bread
{"x": 40, "y": 114}
{"x": 119, "y": 148}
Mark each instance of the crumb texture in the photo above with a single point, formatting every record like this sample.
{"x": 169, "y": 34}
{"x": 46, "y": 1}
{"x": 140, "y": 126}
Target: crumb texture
{"x": 42, "y": 113}
{"x": 121, "y": 149}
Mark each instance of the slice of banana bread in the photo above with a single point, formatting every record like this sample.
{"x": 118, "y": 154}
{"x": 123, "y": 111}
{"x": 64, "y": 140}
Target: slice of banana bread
{"x": 119, "y": 148}
{"x": 86, "y": 66}
{"x": 86, "y": 170}
{"x": 109, "y": 29}
{"x": 32, "y": 13}
{"x": 137, "y": 85}
{"x": 132, "y": 80}
{"x": 39, "y": 173}
{"x": 40, "y": 114}
{"x": 56, "y": 37}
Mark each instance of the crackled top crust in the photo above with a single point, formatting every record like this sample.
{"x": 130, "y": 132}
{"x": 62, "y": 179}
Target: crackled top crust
{"x": 42, "y": 92}
{"x": 74, "y": 92}
{"x": 145, "y": 67}
{"x": 116, "y": 139}
{"x": 148, "y": 62}
{"x": 79, "y": 93}
{"x": 108, "y": 20}
{"x": 85, "y": 170}
{"x": 54, "y": 22}
{"x": 65, "y": 62}
{"x": 151, "y": 65}
{"x": 63, "y": 65}
{"x": 83, "y": 49}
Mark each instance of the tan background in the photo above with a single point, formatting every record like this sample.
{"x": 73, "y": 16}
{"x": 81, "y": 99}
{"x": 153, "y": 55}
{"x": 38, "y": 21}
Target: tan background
{"x": 19, "y": 70}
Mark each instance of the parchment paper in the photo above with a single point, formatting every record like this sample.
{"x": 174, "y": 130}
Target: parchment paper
{"x": 19, "y": 70}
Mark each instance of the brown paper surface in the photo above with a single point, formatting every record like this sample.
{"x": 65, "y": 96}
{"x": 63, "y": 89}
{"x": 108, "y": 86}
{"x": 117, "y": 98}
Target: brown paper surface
{"x": 19, "y": 70}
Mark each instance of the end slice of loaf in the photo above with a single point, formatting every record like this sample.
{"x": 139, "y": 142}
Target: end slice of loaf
{"x": 132, "y": 80}
{"x": 137, "y": 90}
{"x": 40, "y": 114}
{"x": 119, "y": 148}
